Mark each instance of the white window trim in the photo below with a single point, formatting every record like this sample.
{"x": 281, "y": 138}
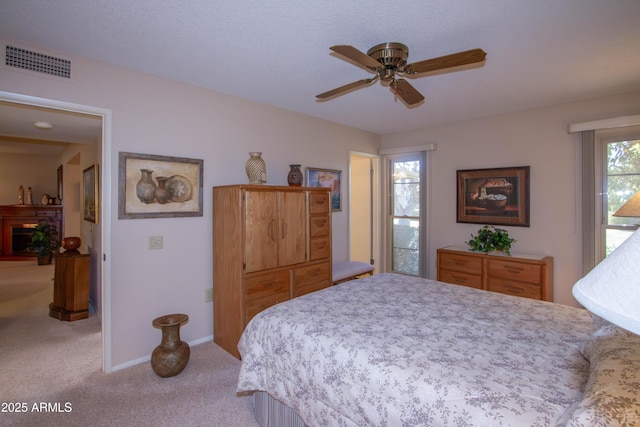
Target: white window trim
{"x": 611, "y": 123}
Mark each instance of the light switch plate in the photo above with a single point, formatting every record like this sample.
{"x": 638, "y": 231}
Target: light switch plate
{"x": 155, "y": 242}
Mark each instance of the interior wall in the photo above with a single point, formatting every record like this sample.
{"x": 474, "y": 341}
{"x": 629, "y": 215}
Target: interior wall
{"x": 537, "y": 138}
{"x": 151, "y": 115}
{"x": 37, "y": 172}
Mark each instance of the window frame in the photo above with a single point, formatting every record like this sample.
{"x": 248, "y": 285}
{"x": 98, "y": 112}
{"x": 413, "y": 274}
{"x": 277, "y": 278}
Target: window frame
{"x": 389, "y": 214}
{"x": 603, "y": 137}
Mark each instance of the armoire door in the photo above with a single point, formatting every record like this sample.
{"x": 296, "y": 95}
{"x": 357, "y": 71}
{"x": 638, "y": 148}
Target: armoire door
{"x": 261, "y": 230}
{"x": 292, "y": 229}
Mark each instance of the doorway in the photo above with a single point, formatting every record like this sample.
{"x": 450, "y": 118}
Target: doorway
{"x": 364, "y": 225}
{"x": 101, "y": 232}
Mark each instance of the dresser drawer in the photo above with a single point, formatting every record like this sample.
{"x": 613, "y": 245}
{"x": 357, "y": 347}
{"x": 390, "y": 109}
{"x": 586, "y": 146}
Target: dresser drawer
{"x": 521, "y": 272}
{"x": 319, "y": 248}
{"x": 306, "y": 276}
{"x": 519, "y": 289}
{"x": 458, "y": 278}
{"x": 461, "y": 263}
{"x": 268, "y": 284}
{"x": 319, "y": 202}
{"x": 319, "y": 226}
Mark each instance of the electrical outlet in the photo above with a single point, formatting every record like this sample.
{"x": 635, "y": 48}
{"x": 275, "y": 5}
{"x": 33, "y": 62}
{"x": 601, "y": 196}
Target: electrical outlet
{"x": 208, "y": 295}
{"x": 155, "y": 242}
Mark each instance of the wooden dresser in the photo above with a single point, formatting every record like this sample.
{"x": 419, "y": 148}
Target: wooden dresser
{"x": 529, "y": 276}
{"x": 270, "y": 244}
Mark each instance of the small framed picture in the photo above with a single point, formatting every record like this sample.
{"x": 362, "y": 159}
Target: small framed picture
{"x": 327, "y": 178}
{"x": 90, "y": 202}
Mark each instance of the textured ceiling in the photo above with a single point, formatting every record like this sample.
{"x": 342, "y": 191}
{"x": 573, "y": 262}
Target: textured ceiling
{"x": 276, "y": 52}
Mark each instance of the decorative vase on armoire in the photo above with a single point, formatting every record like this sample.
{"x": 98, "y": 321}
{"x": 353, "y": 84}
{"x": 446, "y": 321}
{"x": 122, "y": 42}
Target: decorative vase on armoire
{"x": 172, "y": 355}
{"x": 295, "y": 178}
{"x": 256, "y": 168}
{"x": 146, "y": 188}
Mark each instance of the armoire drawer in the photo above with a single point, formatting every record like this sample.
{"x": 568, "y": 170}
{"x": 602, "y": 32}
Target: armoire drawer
{"x": 319, "y": 248}
{"x": 319, "y": 226}
{"x": 268, "y": 284}
{"x": 256, "y": 305}
{"x": 306, "y": 276}
{"x": 312, "y": 288}
{"x": 319, "y": 203}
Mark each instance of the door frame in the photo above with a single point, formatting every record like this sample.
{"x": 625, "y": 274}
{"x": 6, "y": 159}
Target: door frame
{"x": 104, "y": 250}
{"x": 374, "y": 210}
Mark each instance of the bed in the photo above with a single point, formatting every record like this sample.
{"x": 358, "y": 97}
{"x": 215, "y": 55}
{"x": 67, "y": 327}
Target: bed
{"x": 394, "y": 350}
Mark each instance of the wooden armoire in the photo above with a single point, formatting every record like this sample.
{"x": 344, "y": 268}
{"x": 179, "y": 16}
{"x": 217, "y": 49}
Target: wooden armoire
{"x": 270, "y": 244}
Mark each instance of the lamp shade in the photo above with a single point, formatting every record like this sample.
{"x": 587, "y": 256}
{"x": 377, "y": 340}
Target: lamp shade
{"x": 631, "y": 208}
{"x": 612, "y": 289}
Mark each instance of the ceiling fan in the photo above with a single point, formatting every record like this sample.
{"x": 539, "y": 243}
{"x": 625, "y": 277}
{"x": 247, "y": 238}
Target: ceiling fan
{"x": 390, "y": 59}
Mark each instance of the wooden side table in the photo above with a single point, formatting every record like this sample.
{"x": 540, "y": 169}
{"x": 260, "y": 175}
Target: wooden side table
{"x": 71, "y": 287}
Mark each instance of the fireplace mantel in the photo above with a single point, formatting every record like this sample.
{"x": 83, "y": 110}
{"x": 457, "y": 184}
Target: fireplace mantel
{"x": 24, "y": 216}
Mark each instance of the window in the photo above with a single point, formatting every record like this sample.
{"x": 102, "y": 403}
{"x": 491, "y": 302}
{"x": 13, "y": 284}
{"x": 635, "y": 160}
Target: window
{"x": 618, "y": 179}
{"x": 406, "y": 214}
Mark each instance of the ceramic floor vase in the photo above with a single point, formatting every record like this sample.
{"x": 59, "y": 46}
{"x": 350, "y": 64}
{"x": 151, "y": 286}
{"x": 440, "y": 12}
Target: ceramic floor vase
{"x": 172, "y": 355}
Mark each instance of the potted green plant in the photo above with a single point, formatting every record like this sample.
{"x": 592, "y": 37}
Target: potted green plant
{"x": 44, "y": 241}
{"x": 490, "y": 239}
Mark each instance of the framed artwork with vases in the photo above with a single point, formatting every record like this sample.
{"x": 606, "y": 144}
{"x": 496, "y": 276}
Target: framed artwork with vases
{"x": 152, "y": 186}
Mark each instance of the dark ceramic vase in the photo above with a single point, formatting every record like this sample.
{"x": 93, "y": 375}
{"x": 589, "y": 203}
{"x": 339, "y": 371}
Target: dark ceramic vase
{"x": 294, "y": 178}
{"x": 146, "y": 188}
{"x": 162, "y": 194}
{"x": 172, "y": 355}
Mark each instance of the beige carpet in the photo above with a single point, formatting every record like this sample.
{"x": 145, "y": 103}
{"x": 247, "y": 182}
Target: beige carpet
{"x": 52, "y": 370}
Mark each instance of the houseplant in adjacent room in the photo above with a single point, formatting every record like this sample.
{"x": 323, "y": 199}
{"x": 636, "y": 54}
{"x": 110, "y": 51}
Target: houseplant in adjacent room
{"x": 44, "y": 241}
{"x": 491, "y": 239}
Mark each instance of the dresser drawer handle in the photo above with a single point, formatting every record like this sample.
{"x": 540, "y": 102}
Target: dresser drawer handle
{"x": 514, "y": 289}
{"x": 512, "y": 269}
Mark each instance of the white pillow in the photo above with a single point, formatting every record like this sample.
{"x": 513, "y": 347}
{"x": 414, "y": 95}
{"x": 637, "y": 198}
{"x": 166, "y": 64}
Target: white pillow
{"x": 612, "y": 392}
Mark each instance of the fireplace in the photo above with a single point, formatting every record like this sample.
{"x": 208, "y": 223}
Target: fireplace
{"x": 20, "y": 239}
{"x": 16, "y": 227}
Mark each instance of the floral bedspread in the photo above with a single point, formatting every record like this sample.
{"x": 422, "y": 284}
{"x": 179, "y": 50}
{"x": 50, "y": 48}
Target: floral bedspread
{"x": 394, "y": 350}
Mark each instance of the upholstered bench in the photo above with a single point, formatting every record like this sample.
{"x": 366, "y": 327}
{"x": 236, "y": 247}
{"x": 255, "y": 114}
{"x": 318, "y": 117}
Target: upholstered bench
{"x": 343, "y": 271}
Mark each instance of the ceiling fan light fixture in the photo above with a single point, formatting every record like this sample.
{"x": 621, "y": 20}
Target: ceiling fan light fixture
{"x": 388, "y": 59}
{"x": 391, "y": 55}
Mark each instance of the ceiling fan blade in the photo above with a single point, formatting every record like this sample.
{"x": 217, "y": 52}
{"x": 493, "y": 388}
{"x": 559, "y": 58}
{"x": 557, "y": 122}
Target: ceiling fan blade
{"x": 406, "y": 92}
{"x": 345, "y": 88}
{"x": 448, "y": 61}
{"x": 356, "y": 55}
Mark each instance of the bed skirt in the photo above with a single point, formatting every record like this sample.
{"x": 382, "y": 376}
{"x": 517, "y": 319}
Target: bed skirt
{"x": 270, "y": 412}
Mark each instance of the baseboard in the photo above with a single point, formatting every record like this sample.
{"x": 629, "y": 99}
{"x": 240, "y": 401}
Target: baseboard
{"x": 147, "y": 358}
